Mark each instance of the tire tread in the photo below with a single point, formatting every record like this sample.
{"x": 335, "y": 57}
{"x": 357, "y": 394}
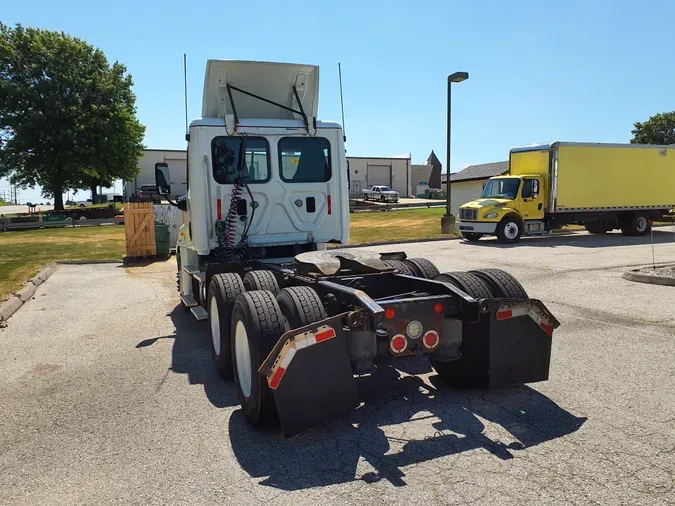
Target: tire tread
{"x": 502, "y": 283}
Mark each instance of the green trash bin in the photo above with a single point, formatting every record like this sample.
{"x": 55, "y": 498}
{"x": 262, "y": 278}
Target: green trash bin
{"x": 162, "y": 238}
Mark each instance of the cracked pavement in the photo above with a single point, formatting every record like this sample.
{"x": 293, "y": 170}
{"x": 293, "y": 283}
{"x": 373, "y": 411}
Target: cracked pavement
{"x": 108, "y": 396}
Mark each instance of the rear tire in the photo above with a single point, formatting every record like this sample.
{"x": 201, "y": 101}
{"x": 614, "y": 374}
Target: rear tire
{"x": 261, "y": 280}
{"x": 509, "y": 230}
{"x": 222, "y": 293}
{"x": 257, "y": 325}
{"x": 401, "y": 267}
{"x": 501, "y": 283}
{"x": 636, "y": 225}
{"x": 469, "y": 283}
{"x": 471, "y": 236}
{"x": 301, "y": 306}
{"x": 596, "y": 228}
{"x": 422, "y": 268}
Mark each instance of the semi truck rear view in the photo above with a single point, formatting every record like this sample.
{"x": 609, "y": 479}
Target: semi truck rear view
{"x": 601, "y": 186}
{"x": 292, "y": 320}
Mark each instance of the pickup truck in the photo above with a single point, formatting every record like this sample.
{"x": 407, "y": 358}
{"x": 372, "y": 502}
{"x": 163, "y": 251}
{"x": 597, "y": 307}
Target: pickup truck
{"x": 381, "y": 193}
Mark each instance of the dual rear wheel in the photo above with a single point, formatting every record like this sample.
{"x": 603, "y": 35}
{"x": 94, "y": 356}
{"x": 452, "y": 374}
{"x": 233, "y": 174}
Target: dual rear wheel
{"x": 247, "y": 317}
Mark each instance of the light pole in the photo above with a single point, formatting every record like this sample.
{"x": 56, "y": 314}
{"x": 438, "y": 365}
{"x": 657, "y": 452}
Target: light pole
{"x": 448, "y": 220}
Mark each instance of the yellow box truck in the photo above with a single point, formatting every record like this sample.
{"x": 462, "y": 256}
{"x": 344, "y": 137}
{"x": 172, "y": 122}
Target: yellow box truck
{"x": 601, "y": 186}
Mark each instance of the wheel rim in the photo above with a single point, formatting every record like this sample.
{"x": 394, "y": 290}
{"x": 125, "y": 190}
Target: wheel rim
{"x": 215, "y": 325}
{"x": 641, "y": 224}
{"x": 511, "y": 230}
{"x": 243, "y": 357}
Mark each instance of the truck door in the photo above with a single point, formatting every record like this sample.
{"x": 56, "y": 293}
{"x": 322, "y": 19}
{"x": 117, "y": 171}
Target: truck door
{"x": 531, "y": 199}
{"x": 311, "y": 184}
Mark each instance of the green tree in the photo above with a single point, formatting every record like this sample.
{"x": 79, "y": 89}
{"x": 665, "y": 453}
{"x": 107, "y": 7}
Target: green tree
{"x": 67, "y": 117}
{"x": 658, "y": 129}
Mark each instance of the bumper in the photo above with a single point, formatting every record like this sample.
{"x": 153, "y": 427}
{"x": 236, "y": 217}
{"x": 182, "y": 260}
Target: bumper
{"x": 476, "y": 227}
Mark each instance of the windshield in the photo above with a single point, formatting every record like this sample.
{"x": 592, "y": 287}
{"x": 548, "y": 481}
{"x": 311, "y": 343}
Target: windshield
{"x": 504, "y": 188}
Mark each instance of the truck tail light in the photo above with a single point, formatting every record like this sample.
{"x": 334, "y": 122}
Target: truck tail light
{"x": 329, "y": 202}
{"x": 438, "y": 308}
{"x": 390, "y": 313}
{"x": 398, "y": 343}
{"x": 431, "y": 339}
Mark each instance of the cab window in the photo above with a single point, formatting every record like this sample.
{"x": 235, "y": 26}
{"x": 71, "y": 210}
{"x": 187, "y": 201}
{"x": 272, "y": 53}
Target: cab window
{"x": 225, "y": 155}
{"x": 530, "y": 188}
{"x": 304, "y": 159}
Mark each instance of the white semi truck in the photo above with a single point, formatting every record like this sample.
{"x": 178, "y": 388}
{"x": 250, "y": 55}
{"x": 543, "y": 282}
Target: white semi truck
{"x": 293, "y": 321}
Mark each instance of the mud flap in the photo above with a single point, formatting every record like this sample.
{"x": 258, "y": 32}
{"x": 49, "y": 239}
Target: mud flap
{"x": 310, "y": 375}
{"x": 509, "y": 344}
{"x": 520, "y": 341}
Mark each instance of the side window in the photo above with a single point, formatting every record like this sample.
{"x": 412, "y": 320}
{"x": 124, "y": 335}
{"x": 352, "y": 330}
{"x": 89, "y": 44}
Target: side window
{"x": 225, "y": 155}
{"x": 530, "y": 188}
{"x": 304, "y": 159}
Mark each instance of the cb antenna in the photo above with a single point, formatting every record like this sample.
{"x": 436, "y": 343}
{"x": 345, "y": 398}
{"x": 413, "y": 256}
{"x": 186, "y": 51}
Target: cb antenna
{"x": 185, "y": 87}
{"x": 342, "y": 105}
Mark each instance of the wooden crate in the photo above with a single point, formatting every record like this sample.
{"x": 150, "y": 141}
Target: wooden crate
{"x": 139, "y": 227}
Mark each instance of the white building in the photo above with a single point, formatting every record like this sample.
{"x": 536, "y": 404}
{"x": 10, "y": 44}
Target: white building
{"x": 467, "y": 185}
{"x": 365, "y": 172}
{"x": 176, "y": 159}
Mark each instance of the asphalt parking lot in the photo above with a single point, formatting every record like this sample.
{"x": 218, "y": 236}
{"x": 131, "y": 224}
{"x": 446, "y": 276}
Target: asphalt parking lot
{"x": 108, "y": 396}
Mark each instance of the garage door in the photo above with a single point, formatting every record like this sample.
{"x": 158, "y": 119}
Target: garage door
{"x": 379, "y": 175}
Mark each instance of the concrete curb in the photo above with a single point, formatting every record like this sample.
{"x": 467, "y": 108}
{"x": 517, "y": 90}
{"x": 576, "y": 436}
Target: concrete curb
{"x": 14, "y": 303}
{"x": 646, "y": 278}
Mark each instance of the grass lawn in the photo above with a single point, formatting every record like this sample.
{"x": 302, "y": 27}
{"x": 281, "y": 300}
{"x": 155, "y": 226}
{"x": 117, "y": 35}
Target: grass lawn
{"x": 396, "y": 226}
{"x": 24, "y": 253}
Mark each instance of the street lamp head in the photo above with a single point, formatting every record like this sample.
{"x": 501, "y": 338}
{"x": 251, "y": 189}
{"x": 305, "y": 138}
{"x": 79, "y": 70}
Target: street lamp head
{"x": 458, "y": 77}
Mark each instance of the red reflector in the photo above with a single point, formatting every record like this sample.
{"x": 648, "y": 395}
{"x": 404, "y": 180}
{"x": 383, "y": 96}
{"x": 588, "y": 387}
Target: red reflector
{"x": 276, "y": 379}
{"x": 398, "y": 343}
{"x": 549, "y": 330}
{"x": 330, "y": 205}
{"x": 438, "y": 308}
{"x": 503, "y": 315}
{"x": 390, "y": 313}
{"x": 431, "y": 339}
{"x": 219, "y": 209}
{"x": 325, "y": 335}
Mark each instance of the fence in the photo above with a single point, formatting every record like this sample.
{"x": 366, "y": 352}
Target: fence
{"x": 139, "y": 228}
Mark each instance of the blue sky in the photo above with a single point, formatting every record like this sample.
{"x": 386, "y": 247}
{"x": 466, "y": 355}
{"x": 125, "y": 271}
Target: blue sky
{"x": 539, "y": 71}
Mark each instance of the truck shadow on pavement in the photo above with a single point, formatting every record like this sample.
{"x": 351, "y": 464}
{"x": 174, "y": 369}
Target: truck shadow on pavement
{"x": 582, "y": 240}
{"x": 423, "y": 422}
{"x": 191, "y": 355}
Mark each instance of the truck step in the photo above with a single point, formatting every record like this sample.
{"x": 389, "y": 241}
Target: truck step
{"x": 199, "y": 312}
{"x": 190, "y": 269}
{"x": 188, "y": 300}
{"x": 199, "y": 276}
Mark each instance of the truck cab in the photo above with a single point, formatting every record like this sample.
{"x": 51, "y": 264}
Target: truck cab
{"x": 508, "y": 206}
{"x": 265, "y": 178}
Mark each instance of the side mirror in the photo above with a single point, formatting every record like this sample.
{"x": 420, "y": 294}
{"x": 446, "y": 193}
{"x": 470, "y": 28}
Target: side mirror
{"x": 162, "y": 180}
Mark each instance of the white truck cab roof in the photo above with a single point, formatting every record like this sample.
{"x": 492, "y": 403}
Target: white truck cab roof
{"x": 263, "y": 123}
{"x": 229, "y": 82}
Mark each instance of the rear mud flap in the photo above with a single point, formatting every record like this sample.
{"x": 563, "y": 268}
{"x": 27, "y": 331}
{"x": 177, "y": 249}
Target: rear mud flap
{"x": 509, "y": 344}
{"x": 310, "y": 375}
